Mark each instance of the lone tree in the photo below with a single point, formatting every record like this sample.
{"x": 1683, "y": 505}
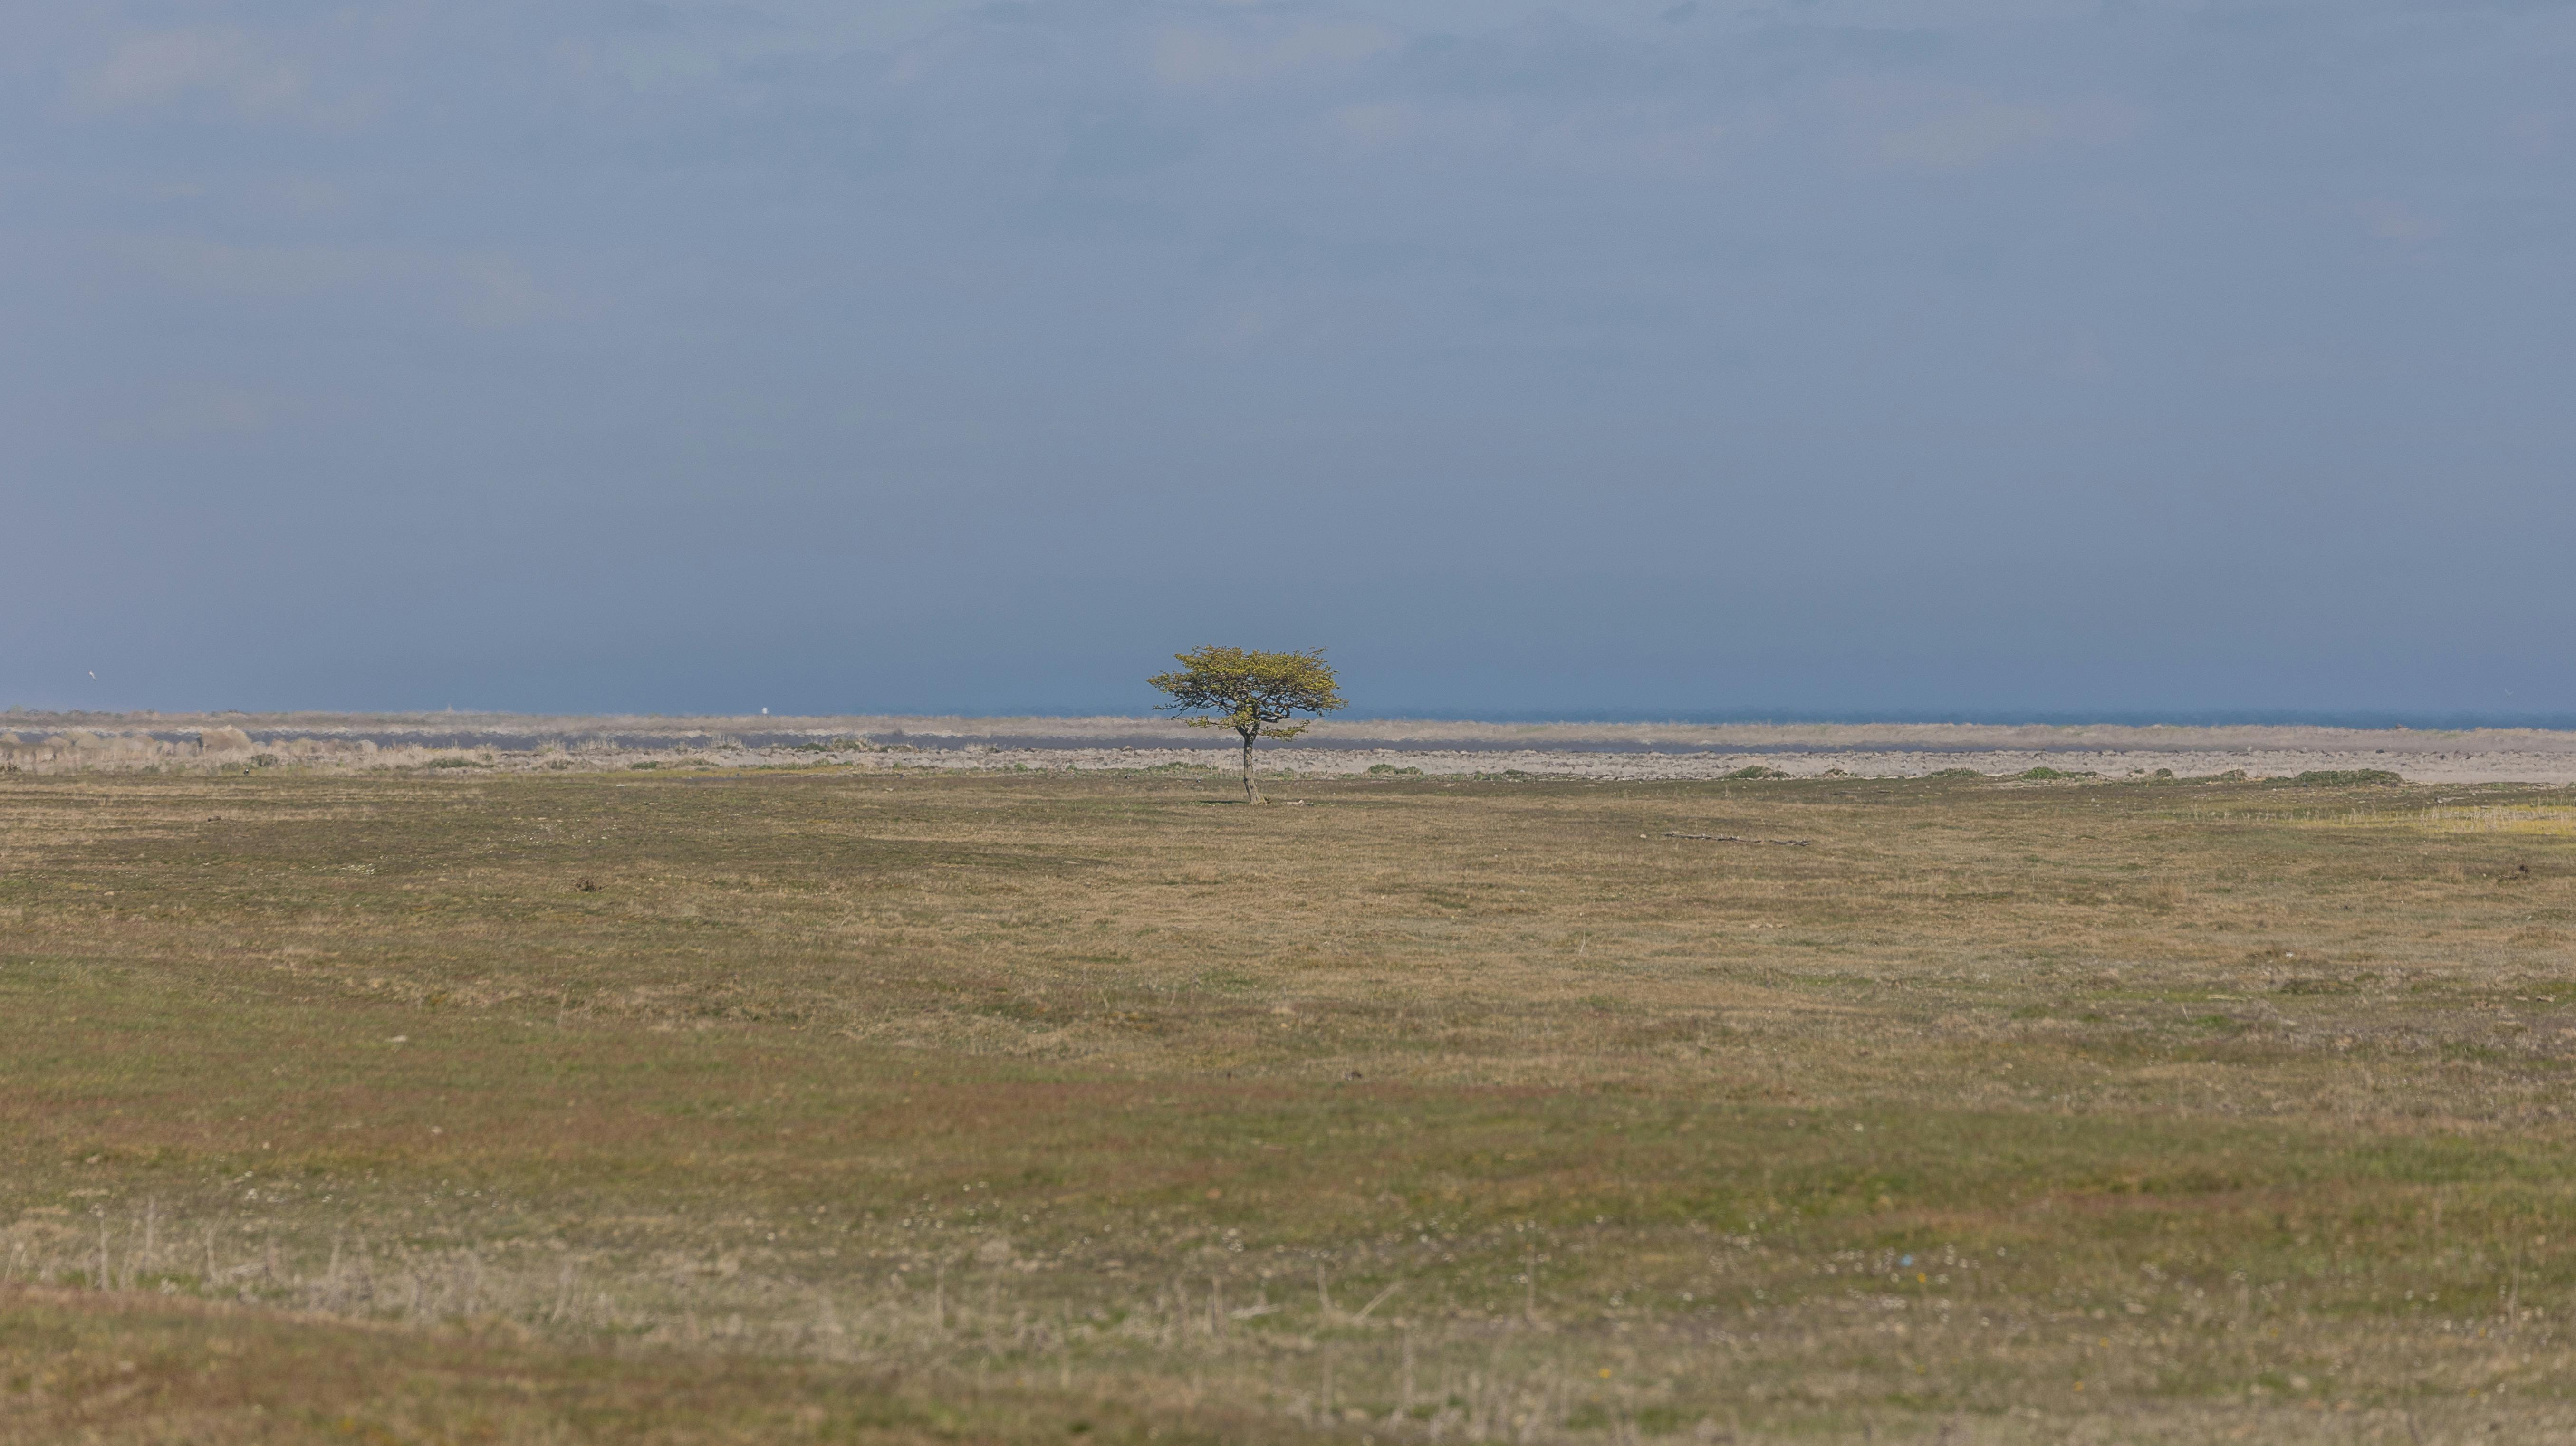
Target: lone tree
{"x": 1255, "y": 694}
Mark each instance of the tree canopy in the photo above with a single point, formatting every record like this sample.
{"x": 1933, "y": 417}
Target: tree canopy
{"x": 1256, "y": 694}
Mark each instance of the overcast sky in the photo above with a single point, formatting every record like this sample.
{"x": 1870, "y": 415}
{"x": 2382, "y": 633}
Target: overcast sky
{"x": 1886, "y": 357}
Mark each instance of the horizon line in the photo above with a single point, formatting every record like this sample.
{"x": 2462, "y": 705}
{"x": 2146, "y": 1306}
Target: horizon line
{"x": 2355, "y": 719}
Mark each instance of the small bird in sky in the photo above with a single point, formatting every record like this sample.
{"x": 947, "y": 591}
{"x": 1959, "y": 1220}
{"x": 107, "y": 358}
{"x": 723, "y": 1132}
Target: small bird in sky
{"x": 93, "y": 677}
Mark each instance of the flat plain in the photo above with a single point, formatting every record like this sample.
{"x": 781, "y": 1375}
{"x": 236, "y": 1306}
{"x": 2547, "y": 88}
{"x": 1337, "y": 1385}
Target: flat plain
{"x": 868, "y": 1103}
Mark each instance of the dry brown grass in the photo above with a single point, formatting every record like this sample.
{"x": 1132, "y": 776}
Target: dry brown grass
{"x": 1427, "y": 1109}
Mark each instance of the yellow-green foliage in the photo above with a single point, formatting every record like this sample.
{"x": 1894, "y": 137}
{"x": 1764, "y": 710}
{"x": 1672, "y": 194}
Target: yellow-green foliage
{"x": 1256, "y": 694}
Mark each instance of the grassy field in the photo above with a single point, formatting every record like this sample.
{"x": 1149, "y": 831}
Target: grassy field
{"x": 874, "y": 1104}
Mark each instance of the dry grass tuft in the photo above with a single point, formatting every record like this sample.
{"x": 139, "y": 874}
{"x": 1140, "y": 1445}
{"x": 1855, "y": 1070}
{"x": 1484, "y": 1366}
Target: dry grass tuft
{"x": 861, "y": 1105}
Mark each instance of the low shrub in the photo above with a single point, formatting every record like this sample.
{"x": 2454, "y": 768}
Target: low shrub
{"x": 2344, "y": 778}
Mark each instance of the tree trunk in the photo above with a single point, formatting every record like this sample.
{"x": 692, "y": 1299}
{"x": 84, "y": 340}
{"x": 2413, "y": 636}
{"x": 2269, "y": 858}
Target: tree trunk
{"x": 1251, "y": 790}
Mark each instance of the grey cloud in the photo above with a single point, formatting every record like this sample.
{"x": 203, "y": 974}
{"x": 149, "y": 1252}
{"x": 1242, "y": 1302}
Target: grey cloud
{"x": 218, "y": 409}
{"x": 158, "y": 66}
{"x": 1201, "y": 57}
{"x": 1968, "y": 132}
{"x": 483, "y": 289}
{"x": 1836, "y": 355}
